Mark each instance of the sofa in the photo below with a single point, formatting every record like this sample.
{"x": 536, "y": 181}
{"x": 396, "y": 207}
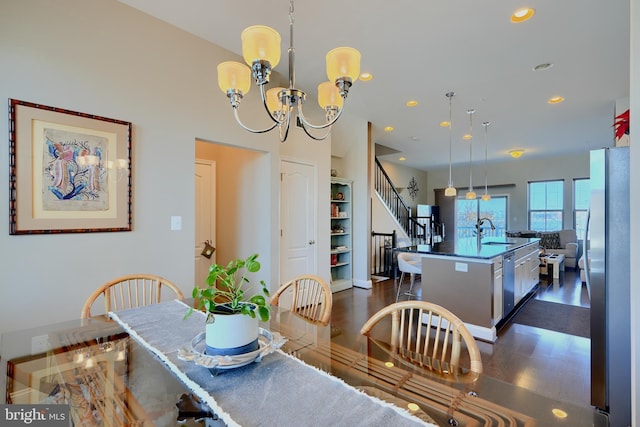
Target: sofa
{"x": 563, "y": 242}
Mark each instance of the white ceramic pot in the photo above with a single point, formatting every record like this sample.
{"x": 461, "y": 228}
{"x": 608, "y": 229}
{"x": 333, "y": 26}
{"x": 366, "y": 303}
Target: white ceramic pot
{"x": 232, "y": 334}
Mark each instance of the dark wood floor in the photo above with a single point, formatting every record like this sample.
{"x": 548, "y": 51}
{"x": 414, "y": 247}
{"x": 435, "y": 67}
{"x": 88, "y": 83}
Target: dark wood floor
{"x": 554, "y": 364}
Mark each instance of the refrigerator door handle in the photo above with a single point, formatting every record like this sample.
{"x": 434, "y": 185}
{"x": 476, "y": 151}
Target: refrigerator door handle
{"x": 585, "y": 254}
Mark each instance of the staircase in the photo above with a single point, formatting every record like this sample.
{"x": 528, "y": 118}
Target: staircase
{"x": 420, "y": 230}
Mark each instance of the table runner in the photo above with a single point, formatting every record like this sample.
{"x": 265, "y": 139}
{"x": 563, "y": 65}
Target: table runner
{"x": 280, "y": 390}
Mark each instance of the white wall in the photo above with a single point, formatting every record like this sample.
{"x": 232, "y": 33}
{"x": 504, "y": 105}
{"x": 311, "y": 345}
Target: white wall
{"x": 354, "y": 163}
{"x": 107, "y": 59}
{"x": 401, "y": 176}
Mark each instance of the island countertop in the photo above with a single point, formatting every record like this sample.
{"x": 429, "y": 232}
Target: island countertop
{"x": 489, "y": 248}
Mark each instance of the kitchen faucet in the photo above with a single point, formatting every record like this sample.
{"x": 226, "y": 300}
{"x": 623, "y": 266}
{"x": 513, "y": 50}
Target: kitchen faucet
{"x": 479, "y": 229}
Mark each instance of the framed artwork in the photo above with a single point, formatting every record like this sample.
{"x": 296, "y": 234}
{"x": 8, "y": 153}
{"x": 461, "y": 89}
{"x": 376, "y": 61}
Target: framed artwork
{"x": 70, "y": 172}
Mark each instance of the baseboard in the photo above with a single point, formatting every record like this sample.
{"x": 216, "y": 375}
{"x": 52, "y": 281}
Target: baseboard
{"x": 364, "y": 284}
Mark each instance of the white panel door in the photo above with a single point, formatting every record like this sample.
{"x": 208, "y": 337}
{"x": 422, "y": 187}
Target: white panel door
{"x": 205, "y": 221}
{"x": 298, "y": 220}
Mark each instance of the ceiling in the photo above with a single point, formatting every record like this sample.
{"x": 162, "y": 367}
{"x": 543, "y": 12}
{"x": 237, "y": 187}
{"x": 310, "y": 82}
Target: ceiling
{"x": 420, "y": 50}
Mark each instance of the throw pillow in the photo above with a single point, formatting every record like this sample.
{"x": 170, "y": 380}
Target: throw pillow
{"x": 549, "y": 240}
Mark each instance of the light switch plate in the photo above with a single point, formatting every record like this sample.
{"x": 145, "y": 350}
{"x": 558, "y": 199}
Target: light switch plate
{"x": 176, "y": 223}
{"x": 462, "y": 266}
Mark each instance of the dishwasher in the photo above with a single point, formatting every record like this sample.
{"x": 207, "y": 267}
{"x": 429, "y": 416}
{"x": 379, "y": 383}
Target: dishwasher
{"x": 508, "y": 280}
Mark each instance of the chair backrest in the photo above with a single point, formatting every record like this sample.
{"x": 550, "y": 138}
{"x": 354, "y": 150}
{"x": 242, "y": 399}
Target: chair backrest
{"x": 409, "y": 263}
{"x": 134, "y": 290}
{"x": 311, "y": 298}
{"x": 437, "y": 347}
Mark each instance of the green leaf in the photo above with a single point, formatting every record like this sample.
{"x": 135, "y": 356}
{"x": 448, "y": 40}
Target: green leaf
{"x": 258, "y": 300}
{"x": 263, "y": 312}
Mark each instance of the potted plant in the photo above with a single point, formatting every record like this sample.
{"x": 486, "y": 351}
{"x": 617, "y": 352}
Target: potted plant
{"x": 233, "y": 305}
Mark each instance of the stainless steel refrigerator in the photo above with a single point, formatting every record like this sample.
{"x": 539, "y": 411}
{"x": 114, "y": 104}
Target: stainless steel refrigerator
{"x": 607, "y": 277}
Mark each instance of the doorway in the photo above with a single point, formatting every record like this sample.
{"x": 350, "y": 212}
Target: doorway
{"x": 205, "y": 221}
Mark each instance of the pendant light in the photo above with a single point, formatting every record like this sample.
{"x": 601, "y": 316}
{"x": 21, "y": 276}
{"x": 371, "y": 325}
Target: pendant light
{"x": 450, "y": 190}
{"x": 471, "y": 195}
{"x": 485, "y": 196}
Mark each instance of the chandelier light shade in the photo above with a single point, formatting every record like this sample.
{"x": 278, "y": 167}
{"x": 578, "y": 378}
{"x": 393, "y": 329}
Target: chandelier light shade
{"x": 485, "y": 197}
{"x": 450, "y": 191}
{"x": 261, "y": 51}
{"x": 471, "y": 195}
{"x": 234, "y": 76}
{"x": 261, "y": 43}
{"x": 343, "y": 63}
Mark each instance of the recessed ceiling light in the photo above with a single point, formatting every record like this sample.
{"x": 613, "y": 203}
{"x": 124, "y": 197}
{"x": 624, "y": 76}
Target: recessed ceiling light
{"x": 467, "y": 136}
{"x": 402, "y": 159}
{"x": 412, "y": 103}
{"x": 365, "y": 77}
{"x": 543, "y": 66}
{"x": 522, "y": 14}
{"x": 555, "y": 100}
{"x": 388, "y": 128}
{"x": 415, "y": 138}
{"x": 444, "y": 124}
{"x": 516, "y": 153}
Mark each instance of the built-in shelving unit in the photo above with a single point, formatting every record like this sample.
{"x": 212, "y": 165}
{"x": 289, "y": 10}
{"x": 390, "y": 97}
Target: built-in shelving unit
{"x": 341, "y": 237}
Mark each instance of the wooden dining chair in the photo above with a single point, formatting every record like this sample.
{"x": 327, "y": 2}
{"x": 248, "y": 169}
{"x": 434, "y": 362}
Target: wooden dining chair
{"x": 310, "y": 298}
{"x": 134, "y": 290}
{"x": 430, "y": 336}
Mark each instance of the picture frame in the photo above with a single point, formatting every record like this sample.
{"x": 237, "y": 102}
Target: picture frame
{"x": 70, "y": 172}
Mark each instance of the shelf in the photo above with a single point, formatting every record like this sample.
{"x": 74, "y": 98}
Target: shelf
{"x": 341, "y": 245}
{"x": 340, "y": 251}
{"x": 340, "y": 264}
{"x": 341, "y": 285}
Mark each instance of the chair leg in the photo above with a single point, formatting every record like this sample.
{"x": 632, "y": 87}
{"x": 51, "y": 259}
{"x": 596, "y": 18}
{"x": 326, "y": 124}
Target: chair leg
{"x": 400, "y": 285}
{"x": 413, "y": 279}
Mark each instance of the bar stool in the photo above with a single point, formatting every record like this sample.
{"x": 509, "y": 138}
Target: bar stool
{"x": 408, "y": 263}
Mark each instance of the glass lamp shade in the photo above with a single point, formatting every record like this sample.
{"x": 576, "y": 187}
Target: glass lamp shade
{"x": 273, "y": 99}
{"x": 260, "y": 42}
{"x": 234, "y": 75}
{"x": 471, "y": 195}
{"x": 450, "y": 191}
{"x": 486, "y": 197}
{"x": 329, "y": 95}
{"x": 343, "y": 62}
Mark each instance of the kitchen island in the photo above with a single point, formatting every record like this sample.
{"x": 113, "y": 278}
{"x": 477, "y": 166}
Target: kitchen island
{"x": 481, "y": 282}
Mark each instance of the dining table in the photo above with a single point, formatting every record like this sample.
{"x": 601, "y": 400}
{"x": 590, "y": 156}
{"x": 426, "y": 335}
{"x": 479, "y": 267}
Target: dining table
{"x": 145, "y": 367}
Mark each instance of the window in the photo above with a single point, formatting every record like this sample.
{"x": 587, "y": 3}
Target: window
{"x": 581, "y": 197}
{"x": 468, "y": 212}
{"x": 545, "y": 205}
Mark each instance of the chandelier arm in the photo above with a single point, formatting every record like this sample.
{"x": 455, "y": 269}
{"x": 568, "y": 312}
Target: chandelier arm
{"x": 317, "y": 138}
{"x": 235, "y": 114}
{"x": 285, "y": 126}
{"x": 266, "y": 107}
{"x": 312, "y": 126}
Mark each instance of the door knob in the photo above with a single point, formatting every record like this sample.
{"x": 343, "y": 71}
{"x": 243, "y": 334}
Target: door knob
{"x": 312, "y": 242}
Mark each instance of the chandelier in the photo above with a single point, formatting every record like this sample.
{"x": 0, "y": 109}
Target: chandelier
{"x": 450, "y": 191}
{"x": 261, "y": 51}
